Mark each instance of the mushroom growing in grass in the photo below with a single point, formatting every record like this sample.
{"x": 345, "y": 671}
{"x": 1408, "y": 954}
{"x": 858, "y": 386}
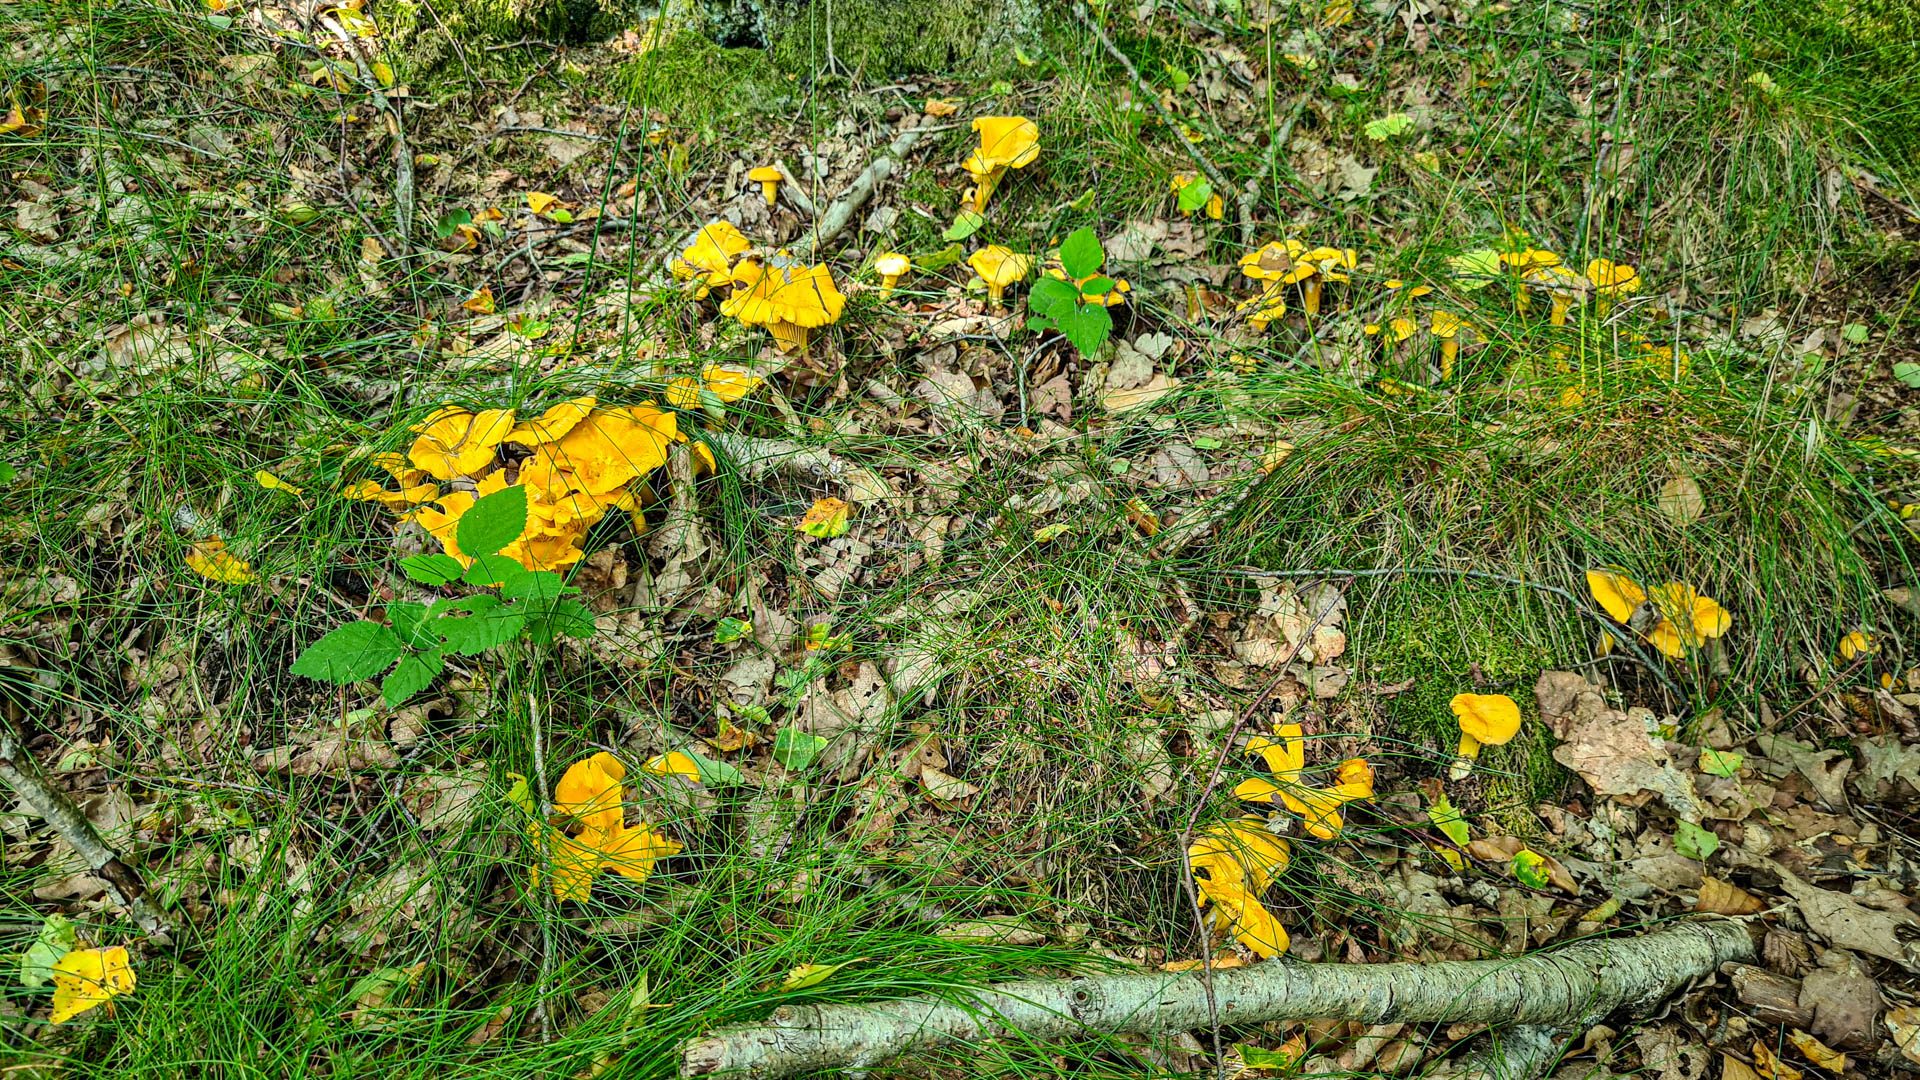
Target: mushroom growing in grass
{"x": 1673, "y": 618}
{"x": 1485, "y": 720}
{"x": 1272, "y": 266}
{"x": 1323, "y": 264}
{"x": 1448, "y": 327}
{"x": 1559, "y": 283}
{"x": 768, "y": 177}
{"x": 891, "y": 266}
{"x": 1612, "y": 281}
{"x": 786, "y": 296}
{"x": 1006, "y": 142}
{"x": 999, "y": 267}
{"x": 710, "y": 257}
{"x": 1523, "y": 264}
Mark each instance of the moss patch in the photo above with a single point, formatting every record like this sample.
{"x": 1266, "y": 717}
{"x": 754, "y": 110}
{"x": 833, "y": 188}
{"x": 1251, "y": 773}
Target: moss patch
{"x": 885, "y": 37}
{"x": 701, "y": 84}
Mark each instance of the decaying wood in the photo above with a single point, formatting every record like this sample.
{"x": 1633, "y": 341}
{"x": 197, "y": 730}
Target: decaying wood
{"x": 839, "y": 215}
{"x": 1561, "y": 988}
{"x": 123, "y": 882}
{"x": 1775, "y": 999}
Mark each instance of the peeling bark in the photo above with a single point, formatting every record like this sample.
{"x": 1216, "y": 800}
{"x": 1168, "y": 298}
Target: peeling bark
{"x": 1561, "y": 988}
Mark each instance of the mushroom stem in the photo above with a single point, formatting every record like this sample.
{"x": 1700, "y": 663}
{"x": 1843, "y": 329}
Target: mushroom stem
{"x": 1560, "y": 306}
{"x": 771, "y": 189}
{"x": 1310, "y": 295}
{"x": 791, "y": 337}
{"x": 887, "y": 282}
{"x": 1523, "y": 300}
{"x": 1463, "y": 761}
{"x": 1449, "y": 352}
{"x": 994, "y": 294}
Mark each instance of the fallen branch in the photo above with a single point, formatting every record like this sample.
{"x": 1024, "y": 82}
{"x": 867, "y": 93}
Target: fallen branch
{"x": 761, "y": 456}
{"x": 123, "y": 881}
{"x": 396, "y": 130}
{"x": 840, "y": 213}
{"x": 1566, "y": 986}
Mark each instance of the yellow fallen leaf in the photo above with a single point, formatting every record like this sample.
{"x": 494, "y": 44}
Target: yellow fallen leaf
{"x": 1336, "y": 13}
{"x": 1050, "y": 532}
{"x": 675, "y": 763}
{"x": 480, "y": 303}
{"x": 211, "y": 560}
{"x": 540, "y": 202}
{"x": 814, "y": 974}
{"x": 1143, "y": 517}
{"x": 86, "y": 978}
{"x": 273, "y": 483}
{"x": 1818, "y": 1052}
{"x": 1769, "y": 1065}
{"x": 1276, "y": 455}
{"x": 937, "y": 107}
{"x": 826, "y": 518}
{"x": 23, "y": 122}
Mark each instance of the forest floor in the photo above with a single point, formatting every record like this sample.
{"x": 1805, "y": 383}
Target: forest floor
{"x": 966, "y": 737}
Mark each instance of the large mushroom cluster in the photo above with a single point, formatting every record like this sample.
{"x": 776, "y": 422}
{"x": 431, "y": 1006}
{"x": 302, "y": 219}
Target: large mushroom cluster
{"x": 776, "y": 291}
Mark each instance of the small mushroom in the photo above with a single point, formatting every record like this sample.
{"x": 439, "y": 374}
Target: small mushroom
{"x": 1485, "y": 720}
{"x": 769, "y": 178}
{"x": 891, "y": 266}
{"x": 1612, "y": 281}
{"x": 1322, "y": 264}
{"x": 1560, "y": 284}
{"x": 1447, "y": 327}
{"x": 999, "y": 267}
{"x": 786, "y": 296}
{"x": 1274, "y": 268}
{"x": 1524, "y": 263}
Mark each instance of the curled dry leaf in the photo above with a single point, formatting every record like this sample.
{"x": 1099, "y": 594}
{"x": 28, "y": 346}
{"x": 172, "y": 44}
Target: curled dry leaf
{"x": 1723, "y": 898}
{"x": 1682, "y": 501}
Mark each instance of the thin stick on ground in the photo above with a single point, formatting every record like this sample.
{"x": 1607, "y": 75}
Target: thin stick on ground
{"x": 1141, "y": 87}
{"x": 839, "y": 214}
{"x": 396, "y": 130}
{"x": 542, "y": 1018}
{"x": 1564, "y": 987}
{"x": 123, "y": 882}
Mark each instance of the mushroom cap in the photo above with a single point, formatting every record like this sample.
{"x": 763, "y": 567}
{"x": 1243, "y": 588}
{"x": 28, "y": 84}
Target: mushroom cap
{"x": 1612, "y": 277}
{"x": 1400, "y": 326}
{"x": 712, "y": 252}
{"x": 1491, "y": 719}
{"x": 1272, "y": 262}
{"x": 1446, "y": 324}
{"x": 1331, "y": 261}
{"x": 892, "y": 262}
{"x": 1698, "y": 616}
{"x": 1529, "y": 259}
{"x": 1009, "y": 142}
{"x": 1619, "y": 595}
{"x": 1415, "y": 291}
{"x": 1554, "y": 278}
{"x": 801, "y": 295}
{"x": 765, "y": 174}
{"x": 999, "y": 266}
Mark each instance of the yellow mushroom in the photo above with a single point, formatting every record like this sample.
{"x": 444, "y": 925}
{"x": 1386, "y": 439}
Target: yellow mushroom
{"x": 1215, "y": 207}
{"x": 891, "y": 266}
{"x": 1321, "y": 264}
{"x": 1485, "y": 720}
{"x": 1559, "y": 283}
{"x": 710, "y": 257}
{"x": 1612, "y": 281}
{"x": 1006, "y": 142}
{"x": 786, "y": 296}
{"x": 999, "y": 267}
{"x": 1273, "y": 266}
{"x": 768, "y": 177}
{"x": 1523, "y": 264}
{"x": 1447, "y": 327}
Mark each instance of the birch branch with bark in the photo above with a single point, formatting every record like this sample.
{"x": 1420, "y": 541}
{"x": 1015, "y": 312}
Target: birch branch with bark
{"x": 1562, "y": 987}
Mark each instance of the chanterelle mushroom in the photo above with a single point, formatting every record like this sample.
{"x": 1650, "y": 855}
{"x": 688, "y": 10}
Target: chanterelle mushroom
{"x": 769, "y": 179}
{"x": 999, "y": 267}
{"x": 1612, "y": 281}
{"x": 1485, "y": 720}
{"x": 891, "y": 266}
{"x": 1006, "y": 142}
{"x": 710, "y": 256}
{"x": 1447, "y": 327}
{"x": 786, "y": 296}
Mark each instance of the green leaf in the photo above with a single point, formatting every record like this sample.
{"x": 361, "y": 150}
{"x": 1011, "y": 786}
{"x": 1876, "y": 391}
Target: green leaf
{"x": 965, "y": 224}
{"x": 356, "y": 651}
{"x": 813, "y": 974}
{"x": 415, "y": 673}
{"x": 1256, "y": 1057}
{"x": 453, "y": 220}
{"x": 493, "y": 522}
{"x": 537, "y": 585}
{"x": 433, "y": 569}
{"x": 1530, "y": 868}
{"x": 1098, "y": 285}
{"x": 495, "y": 570}
{"x": 796, "y": 749}
{"x": 1081, "y": 254}
{"x": 1087, "y": 327}
{"x": 570, "y": 617}
{"x": 1476, "y": 269}
{"x": 1208, "y": 442}
{"x": 483, "y": 629}
{"x": 730, "y": 629}
{"x": 1178, "y": 77}
{"x": 1854, "y": 333}
{"x": 1695, "y": 842}
{"x": 1908, "y": 372}
{"x": 1195, "y": 195}
{"x": 1050, "y": 296}
{"x": 409, "y": 624}
{"x": 1388, "y": 126}
{"x": 1448, "y": 819}
{"x": 56, "y": 940}
{"x": 715, "y": 773}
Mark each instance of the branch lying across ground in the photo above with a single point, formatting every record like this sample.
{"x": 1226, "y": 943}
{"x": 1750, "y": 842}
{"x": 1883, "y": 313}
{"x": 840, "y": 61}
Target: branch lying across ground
{"x": 760, "y": 456}
{"x": 123, "y": 882}
{"x": 1566, "y": 986}
{"x": 839, "y": 214}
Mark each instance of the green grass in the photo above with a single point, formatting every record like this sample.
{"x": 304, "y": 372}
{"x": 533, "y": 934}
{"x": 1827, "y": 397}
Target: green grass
{"x": 1075, "y": 660}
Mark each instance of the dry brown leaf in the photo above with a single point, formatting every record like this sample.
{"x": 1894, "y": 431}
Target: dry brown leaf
{"x": 1817, "y": 1052}
{"x": 1848, "y": 924}
{"x": 1769, "y": 1065}
{"x": 1616, "y": 755}
{"x": 1904, "y": 1025}
{"x": 1723, "y": 898}
{"x": 1732, "y": 1068}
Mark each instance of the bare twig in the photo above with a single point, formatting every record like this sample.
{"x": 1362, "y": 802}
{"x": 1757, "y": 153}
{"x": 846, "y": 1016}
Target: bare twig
{"x": 1568, "y": 986}
{"x": 22, "y": 774}
{"x": 1140, "y": 85}
{"x": 396, "y": 130}
{"x": 545, "y": 855}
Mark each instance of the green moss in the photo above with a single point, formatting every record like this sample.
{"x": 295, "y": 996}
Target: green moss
{"x": 975, "y": 38}
{"x": 699, "y": 83}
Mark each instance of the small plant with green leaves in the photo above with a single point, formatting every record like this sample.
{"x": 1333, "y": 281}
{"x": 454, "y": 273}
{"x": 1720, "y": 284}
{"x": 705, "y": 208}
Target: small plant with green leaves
{"x": 1073, "y": 298}
{"x": 411, "y": 647}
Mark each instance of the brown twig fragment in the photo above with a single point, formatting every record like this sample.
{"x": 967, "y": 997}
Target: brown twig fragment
{"x": 839, "y": 214}
{"x": 21, "y": 773}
